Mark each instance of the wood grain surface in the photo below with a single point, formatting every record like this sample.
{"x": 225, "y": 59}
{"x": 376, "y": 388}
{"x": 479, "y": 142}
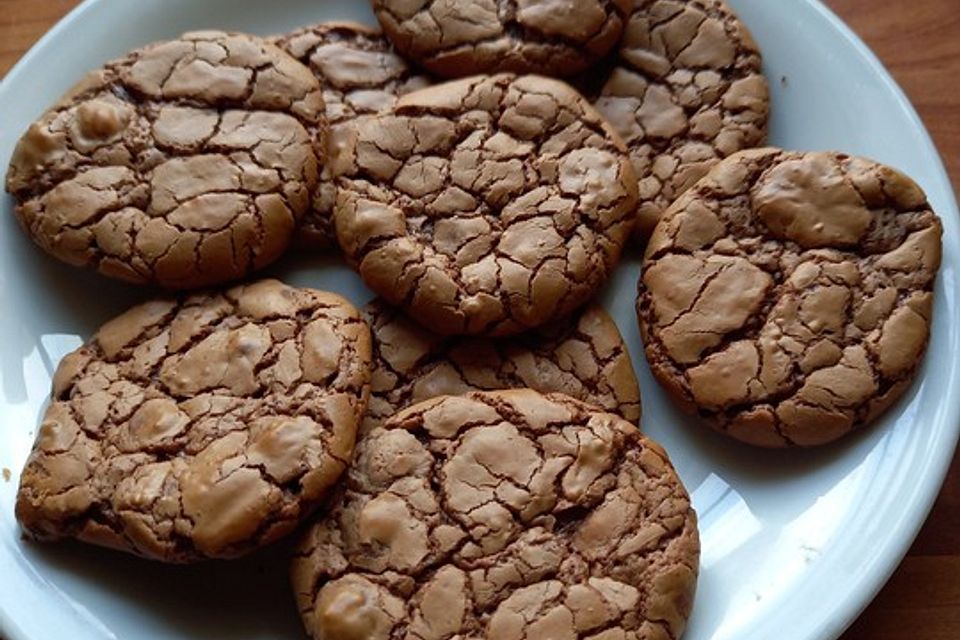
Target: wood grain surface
{"x": 919, "y": 41}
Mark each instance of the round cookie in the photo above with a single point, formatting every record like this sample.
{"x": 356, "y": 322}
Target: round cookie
{"x": 186, "y": 163}
{"x": 359, "y": 74}
{"x": 787, "y": 296}
{"x": 582, "y": 356}
{"x": 685, "y": 91}
{"x": 485, "y": 206}
{"x": 457, "y": 38}
{"x": 203, "y": 427}
{"x": 502, "y": 515}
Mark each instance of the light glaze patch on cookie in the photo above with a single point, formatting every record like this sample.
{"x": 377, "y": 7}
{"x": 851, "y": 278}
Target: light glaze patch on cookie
{"x": 187, "y": 163}
{"x": 502, "y": 515}
{"x": 582, "y": 356}
{"x": 202, "y": 427}
{"x": 686, "y": 90}
{"x": 457, "y": 38}
{"x": 787, "y": 296}
{"x": 359, "y": 74}
{"x": 485, "y": 206}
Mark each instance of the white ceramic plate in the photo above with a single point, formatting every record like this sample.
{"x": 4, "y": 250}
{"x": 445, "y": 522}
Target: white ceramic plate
{"x": 795, "y": 543}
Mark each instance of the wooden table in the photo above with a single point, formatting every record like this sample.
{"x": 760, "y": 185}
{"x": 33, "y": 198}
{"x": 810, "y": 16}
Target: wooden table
{"x": 919, "y": 41}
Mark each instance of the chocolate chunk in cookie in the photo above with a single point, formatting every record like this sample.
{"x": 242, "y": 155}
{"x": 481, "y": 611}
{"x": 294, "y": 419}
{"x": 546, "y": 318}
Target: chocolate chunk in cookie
{"x": 359, "y": 74}
{"x": 502, "y": 515}
{"x": 787, "y": 296}
{"x": 686, "y": 90}
{"x": 202, "y": 427}
{"x": 485, "y": 206}
{"x": 456, "y": 38}
{"x": 582, "y": 356}
{"x": 186, "y": 163}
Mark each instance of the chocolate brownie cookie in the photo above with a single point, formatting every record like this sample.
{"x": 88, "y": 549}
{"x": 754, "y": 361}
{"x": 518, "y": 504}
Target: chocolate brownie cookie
{"x": 202, "y": 427}
{"x": 184, "y": 164}
{"x": 456, "y": 38}
{"x": 489, "y": 205}
{"x": 359, "y": 74}
{"x": 787, "y": 296}
{"x": 686, "y": 90}
{"x": 502, "y": 515}
{"x": 582, "y": 356}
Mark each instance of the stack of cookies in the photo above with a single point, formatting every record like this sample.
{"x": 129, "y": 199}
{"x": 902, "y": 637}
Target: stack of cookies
{"x": 466, "y": 449}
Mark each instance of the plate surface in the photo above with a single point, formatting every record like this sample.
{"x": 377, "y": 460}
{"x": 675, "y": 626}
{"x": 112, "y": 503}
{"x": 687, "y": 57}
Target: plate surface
{"x": 798, "y": 540}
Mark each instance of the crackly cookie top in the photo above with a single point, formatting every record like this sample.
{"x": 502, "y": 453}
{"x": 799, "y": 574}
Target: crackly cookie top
{"x": 502, "y": 515}
{"x": 686, "y": 90}
{"x": 359, "y": 74}
{"x": 185, "y": 163}
{"x": 456, "y": 38}
{"x": 488, "y": 205}
{"x": 202, "y": 427}
{"x": 582, "y": 356}
{"x": 787, "y": 296}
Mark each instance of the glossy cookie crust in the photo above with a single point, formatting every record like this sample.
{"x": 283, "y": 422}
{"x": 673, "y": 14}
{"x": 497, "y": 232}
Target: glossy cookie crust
{"x": 582, "y": 356}
{"x": 502, "y": 515}
{"x": 685, "y": 91}
{"x": 485, "y": 206}
{"x": 201, "y": 427}
{"x": 457, "y": 38}
{"x": 359, "y": 74}
{"x": 186, "y": 163}
{"x": 786, "y": 298}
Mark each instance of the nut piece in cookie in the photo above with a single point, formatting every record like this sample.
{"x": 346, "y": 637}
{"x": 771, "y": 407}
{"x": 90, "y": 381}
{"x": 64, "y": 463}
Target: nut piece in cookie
{"x": 359, "y": 74}
{"x": 499, "y": 515}
{"x": 184, "y": 164}
{"x": 200, "y": 427}
{"x": 457, "y": 38}
{"x": 582, "y": 356}
{"x": 686, "y": 90}
{"x": 786, "y": 298}
{"x": 485, "y": 206}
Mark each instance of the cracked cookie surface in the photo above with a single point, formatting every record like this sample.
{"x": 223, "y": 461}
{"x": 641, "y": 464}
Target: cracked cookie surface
{"x": 184, "y": 164}
{"x": 485, "y": 206}
{"x": 200, "y": 427}
{"x": 359, "y": 74}
{"x": 582, "y": 356}
{"x": 456, "y": 38}
{"x": 686, "y": 90}
{"x": 502, "y": 515}
{"x": 787, "y": 296}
